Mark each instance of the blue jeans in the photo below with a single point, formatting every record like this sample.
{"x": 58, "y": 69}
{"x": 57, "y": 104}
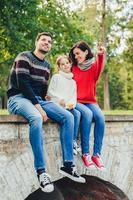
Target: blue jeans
{"x": 19, "y": 105}
{"x": 77, "y": 116}
{"x": 90, "y": 113}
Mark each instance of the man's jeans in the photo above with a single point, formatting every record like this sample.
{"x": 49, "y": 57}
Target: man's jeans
{"x": 19, "y": 105}
{"x": 89, "y": 113}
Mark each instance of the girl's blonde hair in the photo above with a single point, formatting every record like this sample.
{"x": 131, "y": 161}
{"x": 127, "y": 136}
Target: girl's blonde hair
{"x": 59, "y": 59}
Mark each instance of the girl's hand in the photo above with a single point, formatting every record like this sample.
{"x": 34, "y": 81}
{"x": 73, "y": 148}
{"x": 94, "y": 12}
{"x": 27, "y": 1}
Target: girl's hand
{"x": 70, "y": 106}
{"x": 62, "y": 103}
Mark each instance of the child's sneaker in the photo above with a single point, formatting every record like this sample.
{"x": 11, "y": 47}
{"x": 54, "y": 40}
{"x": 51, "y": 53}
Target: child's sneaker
{"x": 45, "y": 183}
{"x": 87, "y": 161}
{"x": 98, "y": 162}
{"x": 72, "y": 174}
{"x": 76, "y": 148}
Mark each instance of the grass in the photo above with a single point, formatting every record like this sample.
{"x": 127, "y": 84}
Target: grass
{"x": 3, "y": 112}
{"x": 118, "y": 112}
{"x": 106, "y": 112}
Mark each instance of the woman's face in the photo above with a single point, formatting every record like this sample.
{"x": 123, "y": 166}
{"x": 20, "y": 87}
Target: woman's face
{"x": 80, "y": 55}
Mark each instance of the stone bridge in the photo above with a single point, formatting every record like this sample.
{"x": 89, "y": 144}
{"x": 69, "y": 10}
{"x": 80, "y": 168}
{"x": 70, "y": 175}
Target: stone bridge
{"x": 17, "y": 176}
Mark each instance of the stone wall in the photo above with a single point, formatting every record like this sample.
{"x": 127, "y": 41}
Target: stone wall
{"x": 17, "y": 175}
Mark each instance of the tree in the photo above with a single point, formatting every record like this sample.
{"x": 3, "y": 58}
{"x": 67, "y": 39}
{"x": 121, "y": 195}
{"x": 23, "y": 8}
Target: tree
{"x": 20, "y": 24}
{"x": 128, "y": 70}
{"x": 103, "y": 40}
{"x": 17, "y": 25}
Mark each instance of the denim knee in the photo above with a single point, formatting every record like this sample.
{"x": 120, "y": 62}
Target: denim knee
{"x": 87, "y": 114}
{"x": 99, "y": 117}
{"x": 36, "y": 120}
{"x": 67, "y": 116}
{"x": 77, "y": 114}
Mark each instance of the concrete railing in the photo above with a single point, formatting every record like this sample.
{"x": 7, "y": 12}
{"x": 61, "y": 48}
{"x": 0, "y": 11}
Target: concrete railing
{"x": 17, "y": 176}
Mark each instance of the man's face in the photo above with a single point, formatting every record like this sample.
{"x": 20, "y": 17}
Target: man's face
{"x": 44, "y": 44}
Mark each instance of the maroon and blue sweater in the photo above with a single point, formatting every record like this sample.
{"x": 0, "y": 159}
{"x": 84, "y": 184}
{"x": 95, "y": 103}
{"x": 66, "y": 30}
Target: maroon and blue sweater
{"x": 29, "y": 76}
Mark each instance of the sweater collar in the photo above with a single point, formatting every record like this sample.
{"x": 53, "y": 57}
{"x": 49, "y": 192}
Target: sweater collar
{"x": 66, "y": 75}
{"x": 87, "y": 64}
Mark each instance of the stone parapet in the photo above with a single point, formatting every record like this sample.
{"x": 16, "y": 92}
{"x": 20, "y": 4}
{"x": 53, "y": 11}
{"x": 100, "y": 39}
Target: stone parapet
{"x": 17, "y": 175}
{"x": 108, "y": 118}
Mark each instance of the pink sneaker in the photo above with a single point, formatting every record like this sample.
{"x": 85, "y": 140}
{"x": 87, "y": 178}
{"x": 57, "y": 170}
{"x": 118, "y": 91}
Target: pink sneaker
{"x": 87, "y": 161}
{"x": 98, "y": 162}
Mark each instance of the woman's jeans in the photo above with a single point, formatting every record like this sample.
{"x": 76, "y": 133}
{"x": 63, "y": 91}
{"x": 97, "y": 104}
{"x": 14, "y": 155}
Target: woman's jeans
{"x": 90, "y": 113}
{"x": 21, "y": 106}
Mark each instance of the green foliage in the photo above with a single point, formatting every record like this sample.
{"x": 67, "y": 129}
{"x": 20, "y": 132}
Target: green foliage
{"x": 100, "y": 92}
{"x": 21, "y": 20}
{"x": 116, "y": 91}
{"x": 128, "y": 71}
{"x": 17, "y": 25}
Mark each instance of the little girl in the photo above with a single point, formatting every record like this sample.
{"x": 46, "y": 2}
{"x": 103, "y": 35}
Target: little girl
{"x": 62, "y": 90}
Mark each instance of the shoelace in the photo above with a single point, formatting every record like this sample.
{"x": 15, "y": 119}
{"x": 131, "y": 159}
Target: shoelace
{"x": 88, "y": 157}
{"x": 99, "y": 160}
{"x": 74, "y": 171}
{"x": 45, "y": 178}
{"x": 75, "y": 144}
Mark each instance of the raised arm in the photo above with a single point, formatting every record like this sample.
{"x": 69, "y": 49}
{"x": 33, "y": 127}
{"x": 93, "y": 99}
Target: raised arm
{"x": 100, "y": 62}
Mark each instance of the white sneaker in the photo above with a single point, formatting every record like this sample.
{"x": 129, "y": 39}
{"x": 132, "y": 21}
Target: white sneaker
{"x": 45, "y": 183}
{"x": 75, "y": 151}
{"x": 76, "y": 148}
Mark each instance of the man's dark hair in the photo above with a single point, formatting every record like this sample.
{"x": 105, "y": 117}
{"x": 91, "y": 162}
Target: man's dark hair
{"x": 83, "y": 46}
{"x": 43, "y": 33}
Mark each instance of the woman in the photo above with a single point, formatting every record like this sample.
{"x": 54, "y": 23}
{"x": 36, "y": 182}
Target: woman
{"x": 86, "y": 74}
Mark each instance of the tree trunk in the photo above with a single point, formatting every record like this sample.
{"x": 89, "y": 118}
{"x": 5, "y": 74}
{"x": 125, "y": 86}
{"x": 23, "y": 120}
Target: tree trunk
{"x": 106, "y": 92}
{"x": 103, "y": 38}
{"x": 4, "y": 102}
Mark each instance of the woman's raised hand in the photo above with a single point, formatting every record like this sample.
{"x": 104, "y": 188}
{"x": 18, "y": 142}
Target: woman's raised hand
{"x": 101, "y": 49}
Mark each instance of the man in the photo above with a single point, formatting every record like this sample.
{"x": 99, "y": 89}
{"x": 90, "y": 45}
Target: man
{"x": 27, "y": 89}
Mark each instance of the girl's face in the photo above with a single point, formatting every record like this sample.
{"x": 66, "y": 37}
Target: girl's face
{"x": 65, "y": 65}
{"x": 80, "y": 55}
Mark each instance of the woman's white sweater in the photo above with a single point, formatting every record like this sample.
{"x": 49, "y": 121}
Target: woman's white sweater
{"x": 63, "y": 87}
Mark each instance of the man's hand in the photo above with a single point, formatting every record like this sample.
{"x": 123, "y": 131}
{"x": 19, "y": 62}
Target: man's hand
{"x": 48, "y": 98}
{"x": 42, "y": 112}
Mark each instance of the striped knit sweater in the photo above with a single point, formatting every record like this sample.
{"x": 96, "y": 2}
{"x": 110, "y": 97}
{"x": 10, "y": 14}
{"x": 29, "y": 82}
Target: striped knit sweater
{"x": 29, "y": 76}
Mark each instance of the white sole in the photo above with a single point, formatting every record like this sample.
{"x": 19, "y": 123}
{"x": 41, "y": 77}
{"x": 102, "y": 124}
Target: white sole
{"x": 101, "y": 169}
{"x": 90, "y": 168}
{"x": 72, "y": 178}
{"x": 47, "y": 190}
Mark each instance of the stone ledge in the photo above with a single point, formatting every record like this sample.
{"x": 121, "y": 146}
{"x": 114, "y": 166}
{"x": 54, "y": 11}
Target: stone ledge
{"x": 15, "y": 119}
{"x": 108, "y": 118}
